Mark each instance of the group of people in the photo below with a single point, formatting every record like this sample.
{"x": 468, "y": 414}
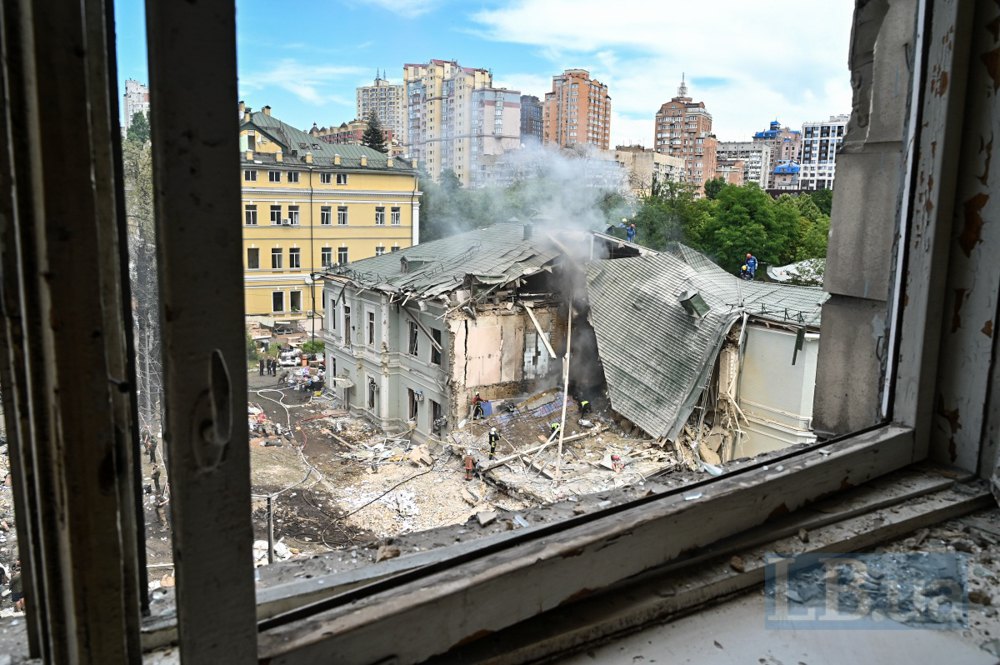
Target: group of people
{"x": 269, "y": 365}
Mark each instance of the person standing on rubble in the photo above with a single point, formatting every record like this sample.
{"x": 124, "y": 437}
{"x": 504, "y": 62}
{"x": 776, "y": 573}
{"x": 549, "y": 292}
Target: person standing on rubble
{"x": 554, "y": 427}
{"x": 494, "y": 439}
{"x": 751, "y": 264}
{"x": 470, "y": 463}
{"x": 584, "y": 407}
{"x": 477, "y": 407}
{"x": 630, "y": 233}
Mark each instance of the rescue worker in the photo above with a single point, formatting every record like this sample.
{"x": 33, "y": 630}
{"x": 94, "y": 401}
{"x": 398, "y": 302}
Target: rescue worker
{"x": 751, "y": 265}
{"x": 477, "y": 407}
{"x": 156, "y": 478}
{"x": 630, "y": 233}
{"x": 494, "y": 439}
{"x": 584, "y": 407}
{"x": 554, "y": 427}
{"x": 470, "y": 464}
{"x": 617, "y": 464}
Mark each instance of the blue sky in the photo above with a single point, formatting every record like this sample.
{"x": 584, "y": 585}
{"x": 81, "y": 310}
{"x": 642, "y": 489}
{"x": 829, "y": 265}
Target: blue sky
{"x": 749, "y": 62}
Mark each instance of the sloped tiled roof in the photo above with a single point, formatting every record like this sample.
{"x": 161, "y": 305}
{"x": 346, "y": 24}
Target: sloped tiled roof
{"x": 297, "y": 143}
{"x": 493, "y": 255}
{"x": 657, "y": 357}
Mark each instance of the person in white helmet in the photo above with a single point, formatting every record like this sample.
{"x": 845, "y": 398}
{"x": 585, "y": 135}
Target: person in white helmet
{"x": 494, "y": 438}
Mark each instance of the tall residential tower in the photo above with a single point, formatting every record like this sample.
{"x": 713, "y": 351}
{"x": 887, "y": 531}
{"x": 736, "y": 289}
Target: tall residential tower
{"x": 577, "y": 111}
{"x": 820, "y": 141}
{"x": 684, "y": 129}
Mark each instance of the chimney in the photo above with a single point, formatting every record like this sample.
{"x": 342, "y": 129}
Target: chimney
{"x": 364, "y": 160}
{"x": 336, "y": 160}
{"x": 266, "y": 110}
{"x": 249, "y": 155}
{"x": 693, "y": 303}
{"x": 309, "y": 158}
{"x": 247, "y": 112}
{"x": 278, "y": 157}
{"x": 242, "y": 108}
{"x": 389, "y": 162}
{"x": 527, "y": 232}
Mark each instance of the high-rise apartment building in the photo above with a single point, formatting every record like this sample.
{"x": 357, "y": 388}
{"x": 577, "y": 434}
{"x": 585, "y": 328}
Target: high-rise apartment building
{"x": 531, "y": 120}
{"x": 496, "y": 129}
{"x": 785, "y": 145}
{"x": 730, "y": 171}
{"x": 387, "y": 101}
{"x": 577, "y": 111}
{"x": 684, "y": 129}
{"x": 135, "y": 100}
{"x": 756, "y": 159}
{"x": 820, "y": 141}
{"x": 446, "y": 124}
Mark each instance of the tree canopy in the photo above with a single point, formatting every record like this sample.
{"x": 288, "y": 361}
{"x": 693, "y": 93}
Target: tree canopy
{"x": 138, "y": 130}
{"x": 374, "y": 136}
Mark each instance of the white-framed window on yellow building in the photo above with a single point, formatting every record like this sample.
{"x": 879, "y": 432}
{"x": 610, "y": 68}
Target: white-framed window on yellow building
{"x": 276, "y": 258}
{"x": 341, "y": 255}
{"x": 275, "y": 215}
{"x": 326, "y": 257}
{"x": 394, "y": 215}
{"x": 380, "y": 216}
{"x": 326, "y": 215}
{"x": 293, "y": 176}
{"x": 325, "y": 178}
{"x": 342, "y": 215}
{"x": 250, "y": 215}
{"x": 277, "y": 301}
{"x": 295, "y": 301}
{"x": 341, "y": 178}
{"x": 293, "y": 214}
{"x": 253, "y": 258}
{"x": 294, "y": 258}
{"x": 250, "y": 175}
{"x": 274, "y": 176}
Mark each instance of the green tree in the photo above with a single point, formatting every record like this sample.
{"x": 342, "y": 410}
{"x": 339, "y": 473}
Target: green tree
{"x": 746, "y": 219}
{"x": 374, "y": 137}
{"x": 713, "y": 187}
{"x": 313, "y": 346}
{"x": 138, "y": 130}
{"x": 823, "y": 198}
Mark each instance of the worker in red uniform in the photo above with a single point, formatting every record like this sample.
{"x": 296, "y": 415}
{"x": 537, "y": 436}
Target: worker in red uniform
{"x": 470, "y": 464}
{"x": 477, "y": 407}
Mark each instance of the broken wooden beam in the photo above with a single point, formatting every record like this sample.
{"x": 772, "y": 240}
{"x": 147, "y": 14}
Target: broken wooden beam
{"x": 538, "y": 327}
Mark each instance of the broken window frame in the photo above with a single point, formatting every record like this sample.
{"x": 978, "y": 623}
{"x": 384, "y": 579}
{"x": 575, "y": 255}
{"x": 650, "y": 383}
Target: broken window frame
{"x": 435, "y": 352}
{"x": 535, "y": 571}
{"x": 413, "y": 342}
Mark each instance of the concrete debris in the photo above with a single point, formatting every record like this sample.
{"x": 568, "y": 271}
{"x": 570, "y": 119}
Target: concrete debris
{"x": 486, "y": 517}
{"x": 803, "y": 535}
{"x": 386, "y": 552}
{"x": 736, "y": 563}
{"x": 420, "y": 455}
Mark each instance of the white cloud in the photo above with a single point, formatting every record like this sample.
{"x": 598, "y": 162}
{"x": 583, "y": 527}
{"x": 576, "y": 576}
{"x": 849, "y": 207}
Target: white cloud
{"x": 406, "y": 8}
{"x": 313, "y": 84}
{"x": 757, "y": 61}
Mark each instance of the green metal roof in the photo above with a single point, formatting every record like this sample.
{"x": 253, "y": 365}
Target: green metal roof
{"x": 657, "y": 357}
{"x": 296, "y": 143}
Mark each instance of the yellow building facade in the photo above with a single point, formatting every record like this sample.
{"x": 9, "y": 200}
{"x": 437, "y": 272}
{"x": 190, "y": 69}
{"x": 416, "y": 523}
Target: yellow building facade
{"x": 310, "y": 205}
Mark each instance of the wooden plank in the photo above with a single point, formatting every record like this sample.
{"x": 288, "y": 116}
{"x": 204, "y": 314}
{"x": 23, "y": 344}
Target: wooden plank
{"x": 195, "y": 165}
{"x": 936, "y": 126}
{"x": 422, "y": 328}
{"x": 539, "y": 575}
{"x": 538, "y": 327}
{"x": 657, "y": 597}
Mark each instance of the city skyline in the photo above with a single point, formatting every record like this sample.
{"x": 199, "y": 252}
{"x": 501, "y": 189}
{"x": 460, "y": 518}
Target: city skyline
{"x": 749, "y": 69}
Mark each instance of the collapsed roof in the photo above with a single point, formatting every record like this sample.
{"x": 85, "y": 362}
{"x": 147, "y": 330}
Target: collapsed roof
{"x": 658, "y": 351}
{"x": 495, "y": 255}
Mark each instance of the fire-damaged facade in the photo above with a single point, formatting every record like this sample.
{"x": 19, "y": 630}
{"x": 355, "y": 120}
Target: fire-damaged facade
{"x": 667, "y": 340}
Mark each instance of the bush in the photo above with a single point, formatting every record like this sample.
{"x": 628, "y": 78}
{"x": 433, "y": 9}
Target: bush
{"x": 313, "y": 346}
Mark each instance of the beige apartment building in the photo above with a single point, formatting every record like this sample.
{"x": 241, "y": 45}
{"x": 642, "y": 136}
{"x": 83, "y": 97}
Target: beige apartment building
{"x": 684, "y": 129}
{"x": 387, "y": 101}
{"x": 454, "y": 117}
{"x": 577, "y": 111}
{"x": 643, "y": 166}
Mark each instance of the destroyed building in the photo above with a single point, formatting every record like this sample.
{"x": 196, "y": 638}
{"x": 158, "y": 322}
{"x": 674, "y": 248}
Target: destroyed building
{"x": 413, "y": 336}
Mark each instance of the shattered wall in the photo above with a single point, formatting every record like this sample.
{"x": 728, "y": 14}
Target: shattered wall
{"x": 776, "y": 395}
{"x": 498, "y": 353}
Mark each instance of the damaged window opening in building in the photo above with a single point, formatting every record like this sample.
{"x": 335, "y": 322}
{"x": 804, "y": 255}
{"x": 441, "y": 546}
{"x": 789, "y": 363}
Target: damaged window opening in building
{"x": 615, "y": 434}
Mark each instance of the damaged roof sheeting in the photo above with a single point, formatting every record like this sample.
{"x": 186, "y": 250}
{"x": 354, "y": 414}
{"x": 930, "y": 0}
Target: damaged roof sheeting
{"x": 657, "y": 357}
{"x": 495, "y": 255}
